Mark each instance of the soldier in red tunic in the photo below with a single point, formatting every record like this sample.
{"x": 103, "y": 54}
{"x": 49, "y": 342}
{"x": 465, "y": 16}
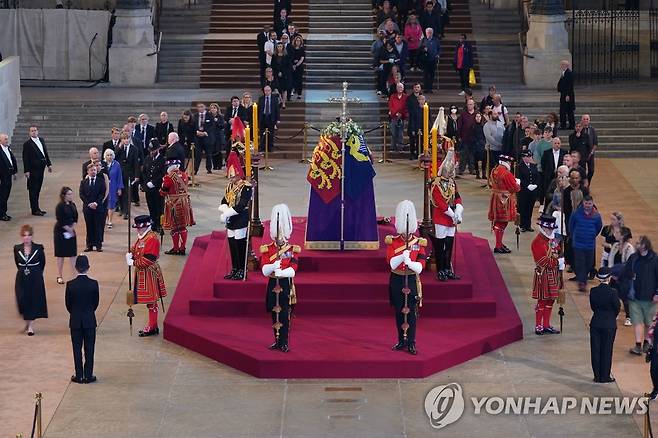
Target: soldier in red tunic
{"x": 548, "y": 274}
{"x": 279, "y": 260}
{"x": 148, "y": 282}
{"x": 405, "y": 254}
{"x": 447, "y": 213}
{"x": 502, "y": 207}
{"x": 178, "y": 209}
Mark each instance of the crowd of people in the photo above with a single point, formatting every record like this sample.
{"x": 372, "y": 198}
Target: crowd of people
{"x": 409, "y": 40}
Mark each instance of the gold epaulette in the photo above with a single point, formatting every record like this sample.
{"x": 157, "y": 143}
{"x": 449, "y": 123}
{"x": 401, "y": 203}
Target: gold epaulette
{"x": 388, "y": 240}
{"x": 422, "y": 241}
{"x": 264, "y": 249}
{"x": 247, "y": 183}
{"x": 296, "y": 249}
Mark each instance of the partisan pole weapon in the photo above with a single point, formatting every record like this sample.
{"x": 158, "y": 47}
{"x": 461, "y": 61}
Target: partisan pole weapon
{"x": 405, "y": 290}
{"x": 130, "y": 295}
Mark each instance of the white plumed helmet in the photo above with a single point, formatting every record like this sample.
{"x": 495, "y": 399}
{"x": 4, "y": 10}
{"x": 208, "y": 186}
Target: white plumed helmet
{"x": 405, "y": 209}
{"x": 285, "y": 221}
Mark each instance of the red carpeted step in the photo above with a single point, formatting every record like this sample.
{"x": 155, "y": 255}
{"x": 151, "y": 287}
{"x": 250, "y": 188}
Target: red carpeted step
{"x": 344, "y": 287}
{"x": 481, "y": 308}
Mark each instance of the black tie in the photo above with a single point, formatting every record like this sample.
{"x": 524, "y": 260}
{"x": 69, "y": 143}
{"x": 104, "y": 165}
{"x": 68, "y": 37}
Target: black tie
{"x": 235, "y": 110}
{"x": 201, "y": 117}
{"x": 267, "y": 105}
{"x": 93, "y": 180}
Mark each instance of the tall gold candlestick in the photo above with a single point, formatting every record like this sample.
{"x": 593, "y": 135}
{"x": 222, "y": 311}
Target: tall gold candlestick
{"x": 254, "y": 125}
{"x": 426, "y": 124}
{"x": 247, "y": 151}
{"x": 435, "y": 152}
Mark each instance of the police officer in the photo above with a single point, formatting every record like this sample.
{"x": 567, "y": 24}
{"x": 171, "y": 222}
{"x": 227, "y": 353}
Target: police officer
{"x": 604, "y": 301}
{"x": 154, "y": 171}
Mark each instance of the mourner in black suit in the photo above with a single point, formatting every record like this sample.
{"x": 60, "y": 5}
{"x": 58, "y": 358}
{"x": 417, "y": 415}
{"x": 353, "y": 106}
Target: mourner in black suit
{"x": 92, "y": 193}
{"x": 550, "y": 161}
{"x": 82, "y": 296}
{"x": 529, "y": 175}
{"x": 163, "y": 128}
{"x": 94, "y": 157}
{"x": 281, "y": 4}
{"x": 281, "y": 23}
{"x": 567, "y": 97}
{"x": 154, "y": 171}
{"x": 268, "y": 115}
{"x": 8, "y": 169}
{"x": 175, "y": 150}
{"x": 604, "y": 301}
{"x": 35, "y": 162}
{"x": 261, "y": 39}
{"x": 143, "y": 134}
{"x": 114, "y": 142}
{"x": 203, "y": 142}
{"x": 128, "y": 157}
{"x": 232, "y": 111}
{"x": 186, "y": 133}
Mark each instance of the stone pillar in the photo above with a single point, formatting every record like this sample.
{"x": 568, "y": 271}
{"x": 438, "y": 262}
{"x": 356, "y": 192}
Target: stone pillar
{"x": 132, "y": 41}
{"x": 547, "y": 44}
{"x": 645, "y": 45}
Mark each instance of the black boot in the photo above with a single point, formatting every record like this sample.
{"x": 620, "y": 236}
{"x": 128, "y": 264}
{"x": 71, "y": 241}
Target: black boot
{"x": 239, "y": 275}
{"x": 412, "y": 348}
{"x": 231, "y": 247}
{"x": 274, "y": 346}
{"x": 447, "y": 259}
{"x": 438, "y": 247}
{"x": 241, "y": 254}
{"x": 400, "y": 345}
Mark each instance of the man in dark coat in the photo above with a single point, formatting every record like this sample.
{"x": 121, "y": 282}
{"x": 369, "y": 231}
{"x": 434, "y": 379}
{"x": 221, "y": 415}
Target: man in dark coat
{"x": 604, "y": 301}
{"x": 268, "y": 115}
{"x": 463, "y": 62}
{"x": 128, "y": 156}
{"x": 154, "y": 171}
{"x": 175, "y": 150}
{"x": 529, "y": 176}
{"x": 8, "y": 169}
{"x": 261, "y": 39}
{"x": 114, "y": 142}
{"x": 82, "y": 296}
{"x": 567, "y": 98}
{"x": 35, "y": 162}
{"x": 203, "y": 141}
{"x": 92, "y": 193}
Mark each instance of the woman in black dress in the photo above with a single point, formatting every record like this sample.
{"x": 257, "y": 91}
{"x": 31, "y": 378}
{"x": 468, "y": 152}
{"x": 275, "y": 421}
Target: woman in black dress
{"x": 217, "y": 136}
{"x": 298, "y": 58}
{"x": 30, "y": 290}
{"x": 186, "y": 133}
{"x": 66, "y": 245}
{"x": 282, "y": 66}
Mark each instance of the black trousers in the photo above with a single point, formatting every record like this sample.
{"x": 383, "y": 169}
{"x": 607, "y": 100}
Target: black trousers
{"x": 526, "y": 203}
{"x": 83, "y": 339}
{"x": 654, "y": 370}
{"x": 134, "y": 193}
{"x": 34, "y": 183}
{"x": 396, "y": 284}
{"x": 201, "y": 148}
{"x": 590, "y": 169}
{"x": 155, "y": 204}
{"x": 566, "y": 114}
{"x": 95, "y": 222}
{"x": 463, "y": 77}
{"x": 298, "y": 79}
{"x": 5, "y": 191}
{"x": 284, "y": 302}
{"x": 601, "y": 341}
{"x": 413, "y": 145}
{"x": 429, "y": 73}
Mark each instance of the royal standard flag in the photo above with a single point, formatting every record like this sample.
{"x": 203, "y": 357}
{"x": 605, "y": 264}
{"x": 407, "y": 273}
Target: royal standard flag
{"x": 359, "y": 170}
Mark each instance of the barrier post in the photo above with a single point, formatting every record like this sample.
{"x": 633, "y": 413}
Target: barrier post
{"x": 384, "y": 158}
{"x": 267, "y": 151}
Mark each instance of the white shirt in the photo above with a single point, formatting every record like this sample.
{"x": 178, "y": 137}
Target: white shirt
{"x": 39, "y": 145}
{"x": 556, "y": 158}
{"x": 5, "y": 149}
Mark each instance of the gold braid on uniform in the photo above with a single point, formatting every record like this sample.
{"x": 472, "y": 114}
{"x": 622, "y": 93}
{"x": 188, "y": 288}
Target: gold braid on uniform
{"x": 447, "y": 189}
{"x": 233, "y": 191}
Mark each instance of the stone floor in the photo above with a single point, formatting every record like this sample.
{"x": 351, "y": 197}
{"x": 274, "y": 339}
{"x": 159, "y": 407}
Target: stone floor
{"x": 152, "y": 388}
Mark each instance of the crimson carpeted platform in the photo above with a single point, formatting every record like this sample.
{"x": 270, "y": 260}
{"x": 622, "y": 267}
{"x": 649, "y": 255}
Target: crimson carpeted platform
{"x": 343, "y": 325}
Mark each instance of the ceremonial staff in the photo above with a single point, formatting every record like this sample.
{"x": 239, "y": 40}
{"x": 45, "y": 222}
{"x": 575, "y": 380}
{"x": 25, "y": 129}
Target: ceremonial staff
{"x": 130, "y": 297}
{"x": 251, "y": 218}
{"x": 405, "y": 290}
{"x": 277, "y": 287}
{"x": 561, "y": 296}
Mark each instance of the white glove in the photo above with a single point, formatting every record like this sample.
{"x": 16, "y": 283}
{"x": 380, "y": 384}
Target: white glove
{"x": 532, "y": 187}
{"x": 222, "y": 208}
{"x": 417, "y": 267}
{"x": 396, "y": 261}
{"x": 450, "y": 212}
{"x": 560, "y": 263}
{"x": 518, "y": 181}
{"x": 457, "y": 219}
{"x": 406, "y": 254}
{"x": 222, "y": 218}
{"x": 284, "y": 273}
{"x": 129, "y": 259}
{"x": 267, "y": 269}
{"x": 277, "y": 264}
{"x": 150, "y": 185}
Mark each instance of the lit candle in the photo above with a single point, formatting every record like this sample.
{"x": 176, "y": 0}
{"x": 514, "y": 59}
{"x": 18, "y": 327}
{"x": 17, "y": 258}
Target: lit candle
{"x": 247, "y": 152}
{"x": 254, "y": 125}
{"x": 435, "y": 152}
{"x": 426, "y": 124}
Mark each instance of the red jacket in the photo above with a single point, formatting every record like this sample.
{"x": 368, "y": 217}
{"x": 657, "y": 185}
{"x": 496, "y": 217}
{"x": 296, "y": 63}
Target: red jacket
{"x": 442, "y": 198}
{"x": 502, "y": 207}
{"x": 398, "y": 105}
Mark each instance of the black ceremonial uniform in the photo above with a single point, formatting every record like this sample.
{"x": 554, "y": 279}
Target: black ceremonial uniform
{"x": 237, "y": 196}
{"x": 154, "y": 170}
{"x": 528, "y": 174}
{"x": 604, "y": 301}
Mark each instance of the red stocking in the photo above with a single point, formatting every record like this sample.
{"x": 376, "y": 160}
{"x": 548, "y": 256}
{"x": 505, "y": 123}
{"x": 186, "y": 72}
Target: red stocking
{"x": 548, "y": 309}
{"x": 539, "y": 314}
{"x": 499, "y": 230}
{"x": 183, "y": 239}
{"x": 174, "y": 239}
{"x": 153, "y": 316}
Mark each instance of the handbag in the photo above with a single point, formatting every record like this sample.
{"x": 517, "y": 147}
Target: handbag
{"x": 471, "y": 78}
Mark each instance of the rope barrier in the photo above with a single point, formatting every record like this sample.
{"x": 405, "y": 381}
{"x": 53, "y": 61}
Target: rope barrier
{"x": 34, "y": 420}
{"x": 291, "y": 137}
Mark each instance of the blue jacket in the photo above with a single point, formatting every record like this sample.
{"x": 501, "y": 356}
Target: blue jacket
{"x": 584, "y": 228}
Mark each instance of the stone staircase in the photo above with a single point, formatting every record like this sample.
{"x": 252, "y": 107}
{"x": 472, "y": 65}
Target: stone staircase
{"x": 182, "y": 30}
{"x": 338, "y": 46}
{"x": 230, "y": 53}
{"x": 496, "y": 31}
{"x": 71, "y": 128}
